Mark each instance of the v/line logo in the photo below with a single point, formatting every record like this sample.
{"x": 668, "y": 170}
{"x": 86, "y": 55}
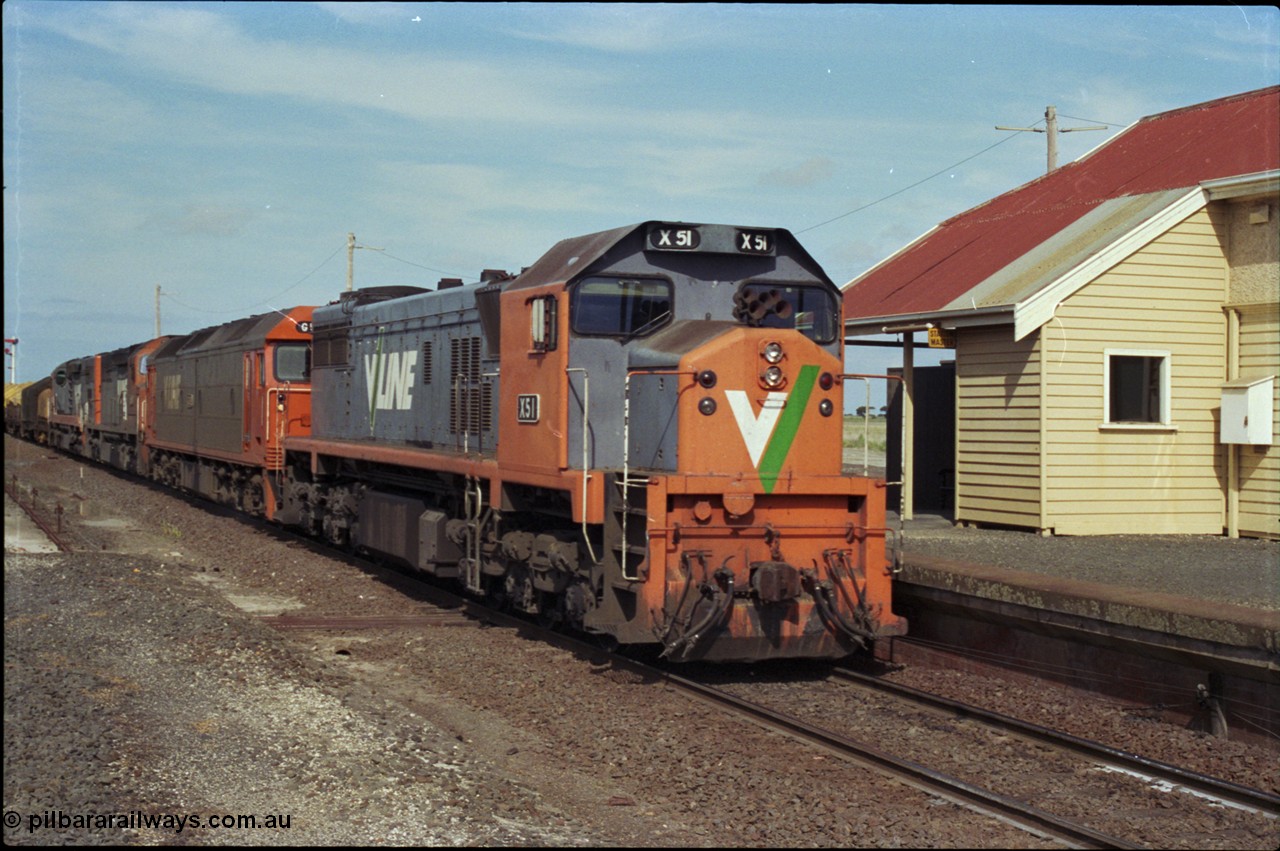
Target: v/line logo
{"x": 769, "y": 434}
{"x": 389, "y": 380}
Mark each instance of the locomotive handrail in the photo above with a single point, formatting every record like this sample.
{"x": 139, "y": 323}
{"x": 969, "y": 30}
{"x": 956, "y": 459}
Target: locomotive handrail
{"x": 625, "y": 484}
{"x": 586, "y": 430}
{"x": 866, "y": 417}
{"x": 282, "y": 423}
{"x": 902, "y": 461}
{"x": 477, "y": 514}
{"x": 843, "y": 528}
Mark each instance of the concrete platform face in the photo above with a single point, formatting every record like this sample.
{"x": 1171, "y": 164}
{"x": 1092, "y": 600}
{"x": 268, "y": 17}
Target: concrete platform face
{"x": 21, "y": 535}
{"x": 1190, "y": 576}
{"x": 1151, "y": 619}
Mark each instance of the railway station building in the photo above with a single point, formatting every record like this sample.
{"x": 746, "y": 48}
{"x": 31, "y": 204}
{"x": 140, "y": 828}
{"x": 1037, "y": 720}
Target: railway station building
{"x": 1116, "y": 335}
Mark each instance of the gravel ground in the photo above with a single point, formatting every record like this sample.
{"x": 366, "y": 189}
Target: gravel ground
{"x": 185, "y": 708}
{"x": 140, "y": 678}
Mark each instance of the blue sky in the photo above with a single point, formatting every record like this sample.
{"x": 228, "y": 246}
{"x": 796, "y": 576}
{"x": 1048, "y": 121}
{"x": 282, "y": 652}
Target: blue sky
{"x": 223, "y": 151}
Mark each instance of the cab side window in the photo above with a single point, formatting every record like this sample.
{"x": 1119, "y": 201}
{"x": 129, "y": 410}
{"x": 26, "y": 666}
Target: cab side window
{"x": 620, "y": 307}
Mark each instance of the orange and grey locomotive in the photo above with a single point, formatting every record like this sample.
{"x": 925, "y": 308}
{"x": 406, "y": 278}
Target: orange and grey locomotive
{"x": 638, "y": 436}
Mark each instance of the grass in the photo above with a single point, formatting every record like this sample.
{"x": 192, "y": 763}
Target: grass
{"x": 872, "y": 432}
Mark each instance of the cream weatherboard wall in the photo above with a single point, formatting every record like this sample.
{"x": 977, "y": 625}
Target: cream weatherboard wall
{"x": 1033, "y": 445}
{"x": 1259, "y": 501}
{"x": 1255, "y": 301}
{"x": 1163, "y": 301}
{"x": 997, "y": 427}
{"x": 1033, "y": 448}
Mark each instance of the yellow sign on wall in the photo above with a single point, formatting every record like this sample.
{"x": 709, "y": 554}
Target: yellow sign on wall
{"x": 941, "y": 339}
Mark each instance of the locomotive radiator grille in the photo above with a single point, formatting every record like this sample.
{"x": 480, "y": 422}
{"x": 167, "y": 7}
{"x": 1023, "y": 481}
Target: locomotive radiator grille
{"x": 470, "y": 400}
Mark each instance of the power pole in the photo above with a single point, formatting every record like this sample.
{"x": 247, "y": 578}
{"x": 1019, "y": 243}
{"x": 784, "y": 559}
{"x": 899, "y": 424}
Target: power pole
{"x": 11, "y": 349}
{"x": 351, "y": 257}
{"x": 157, "y": 310}
{"x": 1051, "y": 130}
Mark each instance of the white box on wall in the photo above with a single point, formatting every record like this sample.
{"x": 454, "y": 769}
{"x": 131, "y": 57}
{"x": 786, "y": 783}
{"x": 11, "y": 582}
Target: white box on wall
{"x": 1246, "y": 410}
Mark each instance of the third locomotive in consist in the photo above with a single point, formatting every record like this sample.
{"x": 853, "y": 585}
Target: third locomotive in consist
{"x": 638, "y": 436}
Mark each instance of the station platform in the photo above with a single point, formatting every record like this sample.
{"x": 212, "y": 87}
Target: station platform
{"x": 1152, "y": 615}
{"x": 21, "y": 534}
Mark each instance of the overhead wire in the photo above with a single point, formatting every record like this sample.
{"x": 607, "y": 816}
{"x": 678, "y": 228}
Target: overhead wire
{"x": 1094, "y": 120}
{"x": 265, "y": 302}
{"x": 419, "y": 265}
{"x": 383, "y": 252}
{"x": 270, "y": 300}
{"x": 907, "y": 188}
{"x": 939, "y": 173}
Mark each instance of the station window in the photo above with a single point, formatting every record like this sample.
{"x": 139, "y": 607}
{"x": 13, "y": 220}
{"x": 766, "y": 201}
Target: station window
{"x": 620, "y": 307}
{"x": 1137, "y": 388}
{"x": 293, "y": 361}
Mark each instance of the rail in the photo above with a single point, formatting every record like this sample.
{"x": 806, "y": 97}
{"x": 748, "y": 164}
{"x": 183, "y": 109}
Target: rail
{"x": 1210, "y": 787}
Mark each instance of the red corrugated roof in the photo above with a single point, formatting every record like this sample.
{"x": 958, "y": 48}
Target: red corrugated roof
{"x": 1222, "y": 138}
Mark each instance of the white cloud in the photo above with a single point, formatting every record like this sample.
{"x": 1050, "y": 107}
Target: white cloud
{"x": 620, "y": 28}
{"x": 66, "y": 105}
{"x": 372, "y": 14}
{"x": 211, "y": 50}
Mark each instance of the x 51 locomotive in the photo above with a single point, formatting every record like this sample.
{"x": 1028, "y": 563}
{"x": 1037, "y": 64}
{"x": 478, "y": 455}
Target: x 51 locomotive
{"x": 638, "y": 436}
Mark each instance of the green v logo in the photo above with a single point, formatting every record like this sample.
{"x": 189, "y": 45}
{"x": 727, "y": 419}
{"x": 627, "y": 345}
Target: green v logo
{"x": 769, "y": 434}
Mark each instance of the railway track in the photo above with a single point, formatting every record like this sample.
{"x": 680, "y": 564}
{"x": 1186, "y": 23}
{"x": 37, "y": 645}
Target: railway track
{"x": 1011, "y": 810}
{"x": 458, "y": 611}
{"x": 1153, "y": 771}
{"x": 1020, "y": 813}
{"x": 455, "y": 610}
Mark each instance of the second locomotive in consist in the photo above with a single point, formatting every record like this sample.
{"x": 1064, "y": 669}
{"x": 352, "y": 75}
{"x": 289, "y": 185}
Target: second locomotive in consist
{"x": 639, "y": 436}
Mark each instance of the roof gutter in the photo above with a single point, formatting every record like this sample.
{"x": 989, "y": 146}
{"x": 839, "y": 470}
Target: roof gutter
{"x": 998, "y": 315}
{"x": 1258, "y": 183}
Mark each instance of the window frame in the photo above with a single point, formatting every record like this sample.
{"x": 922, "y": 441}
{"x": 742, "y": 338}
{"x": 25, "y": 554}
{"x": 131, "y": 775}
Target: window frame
{"x": 1165, "y": 391}
{"x": 624, "y": 336}
{"x": 544, "y": 324}
{"x": 816, "y": 286}
{"x": 275, "y": 361}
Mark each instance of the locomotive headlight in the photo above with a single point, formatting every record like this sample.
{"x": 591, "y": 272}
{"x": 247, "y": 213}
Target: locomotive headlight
{"x": 772, "y": 377}
{"x": 772, "y": 352}
{"x": 707, "y": 406}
